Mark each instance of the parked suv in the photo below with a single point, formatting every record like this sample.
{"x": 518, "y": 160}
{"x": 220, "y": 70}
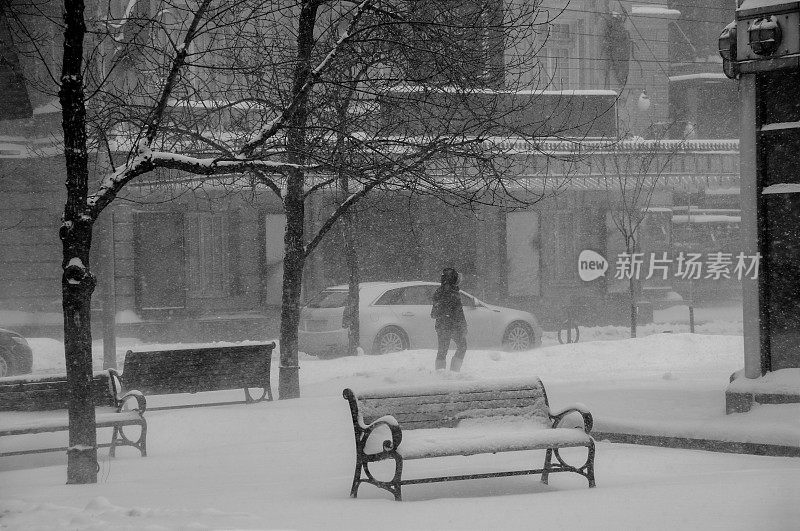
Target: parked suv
{"x": 396, "y": 316}
{"x": 16, "y": 356}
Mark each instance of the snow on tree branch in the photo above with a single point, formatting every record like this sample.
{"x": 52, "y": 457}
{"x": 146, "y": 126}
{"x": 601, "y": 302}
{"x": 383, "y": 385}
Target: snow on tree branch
{"x": 271, "y": 128}
{"x": 147, "y": 160}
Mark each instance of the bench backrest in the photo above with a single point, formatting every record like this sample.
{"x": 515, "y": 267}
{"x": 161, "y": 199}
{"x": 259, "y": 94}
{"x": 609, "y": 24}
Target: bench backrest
{"x": 194, "y": 370}
{"x": 38, "y": 393}
{"x": 446, "y": 404}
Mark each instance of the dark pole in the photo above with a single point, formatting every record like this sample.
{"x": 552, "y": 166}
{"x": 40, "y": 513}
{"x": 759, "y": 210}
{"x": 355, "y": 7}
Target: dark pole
{"x": 108, "y": 292}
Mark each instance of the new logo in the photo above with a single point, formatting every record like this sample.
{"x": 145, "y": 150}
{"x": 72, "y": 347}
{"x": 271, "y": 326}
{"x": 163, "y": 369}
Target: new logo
{"x": 591, "y": 265}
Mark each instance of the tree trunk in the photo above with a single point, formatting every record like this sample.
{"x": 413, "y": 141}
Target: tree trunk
{"x": 82, "y": 452}
{"x": 293, "y": 263}
{"x": 351, "y": 258}
{"x": 294, "y": 207}
{"x": 76, "y": 236}
{"x": 351, "y": 262}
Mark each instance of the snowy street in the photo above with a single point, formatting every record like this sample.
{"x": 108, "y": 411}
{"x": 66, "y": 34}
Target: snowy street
{"x": 288, "y": 464}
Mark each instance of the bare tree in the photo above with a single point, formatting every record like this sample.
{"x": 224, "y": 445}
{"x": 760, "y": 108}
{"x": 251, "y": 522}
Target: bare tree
{"x": 632, "y": 175}
{"x": 391, "y": 95}
{"x": 255, "y": 89}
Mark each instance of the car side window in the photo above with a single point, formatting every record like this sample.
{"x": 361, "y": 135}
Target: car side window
{"x": 417, "y": 295}
{"x": 391, "y": 297}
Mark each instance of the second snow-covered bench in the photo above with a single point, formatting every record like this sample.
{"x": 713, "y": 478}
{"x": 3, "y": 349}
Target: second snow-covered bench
{"x": 462, "y": 418}
{"x": 201, "y": 369}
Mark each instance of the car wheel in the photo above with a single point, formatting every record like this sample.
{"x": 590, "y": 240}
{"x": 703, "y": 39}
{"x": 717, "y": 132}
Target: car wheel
{"x": 519, "y": 336}
{"x": 390, "y": 339}
{"x": 5, "y": 364}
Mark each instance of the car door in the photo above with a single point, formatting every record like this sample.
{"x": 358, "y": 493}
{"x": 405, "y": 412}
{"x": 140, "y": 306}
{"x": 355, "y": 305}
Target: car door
{"x": 412, "y": 308}
{"x": 481, "y": 323}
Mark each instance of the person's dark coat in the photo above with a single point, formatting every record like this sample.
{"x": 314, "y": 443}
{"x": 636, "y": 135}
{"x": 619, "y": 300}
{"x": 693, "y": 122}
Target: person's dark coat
{"x": 447, "y": 308}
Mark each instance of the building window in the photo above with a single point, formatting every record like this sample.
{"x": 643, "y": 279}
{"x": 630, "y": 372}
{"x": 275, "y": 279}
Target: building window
{"x": 213, "y": 254}
{"x": 274, "y": 232}
{"x": 586, "y": 70}
{"x": 559, "y": 57}
{"x": 159, "y": 260}
{"x": 566, "y": 255}
{"x": 558, "y": 68}
{"x": 559, "y": 32}
{"x": 522, "y": 253}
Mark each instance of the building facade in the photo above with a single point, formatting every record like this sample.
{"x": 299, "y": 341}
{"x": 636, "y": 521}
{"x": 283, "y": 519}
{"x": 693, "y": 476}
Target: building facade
{"x": 192, "y": 258}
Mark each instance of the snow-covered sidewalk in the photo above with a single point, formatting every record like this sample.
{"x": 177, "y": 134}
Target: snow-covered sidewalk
{"x": 288, "y": 464}
{"x": 668, "y": 384}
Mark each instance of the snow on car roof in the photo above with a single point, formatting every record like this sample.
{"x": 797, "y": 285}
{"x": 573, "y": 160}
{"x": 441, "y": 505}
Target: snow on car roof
{"x": 371, "y": 290}
{"x": 387, "y": 285}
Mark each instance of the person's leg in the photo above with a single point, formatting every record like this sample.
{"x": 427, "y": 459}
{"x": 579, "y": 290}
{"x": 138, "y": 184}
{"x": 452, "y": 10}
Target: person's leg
{"x": 460, "y": 337}
{"x": 443, "y": 336}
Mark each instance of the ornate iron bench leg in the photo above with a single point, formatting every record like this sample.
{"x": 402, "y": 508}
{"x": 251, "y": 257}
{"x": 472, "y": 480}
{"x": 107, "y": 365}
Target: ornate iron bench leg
{"x": 546, "y": 470}
{"x": 119, "y": 437}
{"x": 396, "y": 485}
{"x": 143, "y": 440}
{"x": 590, "y": 466}
{"x": 356, "y": 479}
{"x": 114, "y": 437}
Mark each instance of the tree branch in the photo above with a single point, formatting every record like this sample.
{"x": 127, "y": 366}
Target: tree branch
{"x": 272, "y": 128}
{"x": 154, "y": 120}
{"x": 148, "y": 161}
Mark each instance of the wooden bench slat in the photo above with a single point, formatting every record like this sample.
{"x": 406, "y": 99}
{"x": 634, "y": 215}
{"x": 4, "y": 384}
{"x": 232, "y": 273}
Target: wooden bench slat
{"x": 464, "y": 402}
{"x": 444, "y": 388}
{"x": 459, "y": 410}
{"x": 448, "y": 411}
{"x": 449, "y": 397}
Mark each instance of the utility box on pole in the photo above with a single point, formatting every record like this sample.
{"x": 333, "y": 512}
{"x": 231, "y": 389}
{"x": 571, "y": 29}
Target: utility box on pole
{"x": 762, "y": 50}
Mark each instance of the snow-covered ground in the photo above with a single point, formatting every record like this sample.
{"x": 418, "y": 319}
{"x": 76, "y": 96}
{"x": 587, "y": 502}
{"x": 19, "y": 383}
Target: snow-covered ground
{"x": 288, "y": 464}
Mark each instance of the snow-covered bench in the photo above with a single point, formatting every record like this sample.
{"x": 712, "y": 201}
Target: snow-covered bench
{"x": 38, "y": 404}
{"x": 203, "y": 369}
{"x": 462, "y": 418}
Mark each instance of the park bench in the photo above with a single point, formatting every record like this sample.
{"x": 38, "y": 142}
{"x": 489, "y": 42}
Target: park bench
{"x": 463, "y": 418}
{"x": 38, "y": 404}
{"x": 197, "y": 370}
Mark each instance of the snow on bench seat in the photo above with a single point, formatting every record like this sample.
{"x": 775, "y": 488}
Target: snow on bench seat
{"x": 17, "y": 423}
{"x": 39, "y": 404}
{"x": 462, "y": 418}
{"x": 441, "y": 442}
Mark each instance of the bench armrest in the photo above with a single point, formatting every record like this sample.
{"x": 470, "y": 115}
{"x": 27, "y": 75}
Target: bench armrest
{"x": 388, "y": 421}
{"x": 588, "y": 421}
{"x": 141, "y": 401}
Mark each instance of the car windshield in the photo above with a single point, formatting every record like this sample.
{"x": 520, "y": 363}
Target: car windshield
{"x": 328, "y": 299}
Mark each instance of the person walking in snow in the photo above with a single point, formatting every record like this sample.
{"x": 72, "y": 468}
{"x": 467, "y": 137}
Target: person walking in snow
{"x": 450, "y": 321}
